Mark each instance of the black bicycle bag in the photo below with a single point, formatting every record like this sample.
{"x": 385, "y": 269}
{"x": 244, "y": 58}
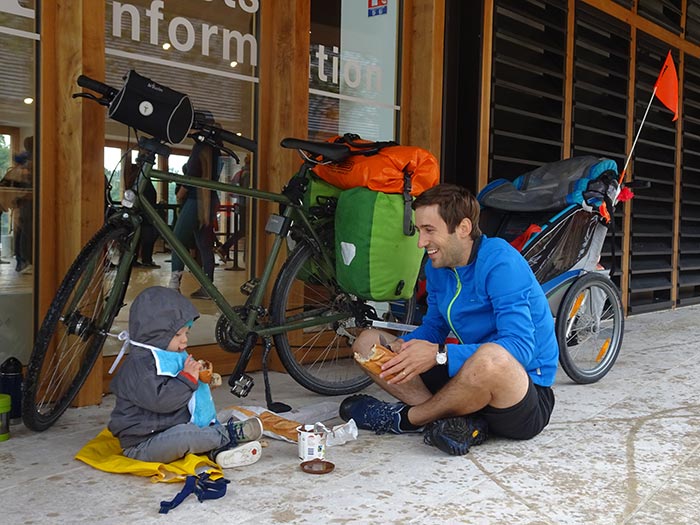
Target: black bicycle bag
{"x": 152, "y": 108}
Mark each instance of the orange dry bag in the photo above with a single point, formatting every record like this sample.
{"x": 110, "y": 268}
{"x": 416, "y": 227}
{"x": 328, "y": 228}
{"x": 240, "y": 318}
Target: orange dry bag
{"x": 381, "y": 166}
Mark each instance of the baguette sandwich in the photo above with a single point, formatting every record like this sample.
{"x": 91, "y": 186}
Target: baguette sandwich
{"x": 374, "y": 361}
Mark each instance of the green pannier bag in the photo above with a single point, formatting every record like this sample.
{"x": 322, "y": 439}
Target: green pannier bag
{"x": 318, "y": 192}
{"x": 319, "y": 201}
{"x": 374, "y": 260}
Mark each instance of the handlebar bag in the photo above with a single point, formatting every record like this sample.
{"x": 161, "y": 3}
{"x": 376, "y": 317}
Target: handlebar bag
{"x": 374, "y": 259}
{"x": 152, "y": 108}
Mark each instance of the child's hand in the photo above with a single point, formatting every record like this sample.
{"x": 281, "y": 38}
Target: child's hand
{"x": 192, "y": 367}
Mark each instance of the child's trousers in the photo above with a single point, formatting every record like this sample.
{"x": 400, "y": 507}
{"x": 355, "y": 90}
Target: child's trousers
{"x": 178, "y": 441}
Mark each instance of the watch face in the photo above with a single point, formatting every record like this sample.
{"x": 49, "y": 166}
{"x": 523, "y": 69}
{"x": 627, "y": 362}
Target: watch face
{"x": 441, "y": 358}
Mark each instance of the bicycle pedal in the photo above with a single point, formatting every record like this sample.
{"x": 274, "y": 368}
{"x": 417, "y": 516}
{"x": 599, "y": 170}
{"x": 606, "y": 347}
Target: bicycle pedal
{"x": 248, "y": 287}
{"x": 242, "y": 386}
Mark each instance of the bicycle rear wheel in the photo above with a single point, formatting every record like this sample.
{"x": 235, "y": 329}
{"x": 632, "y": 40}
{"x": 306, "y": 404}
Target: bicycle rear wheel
{"x": 320, "y": 357}
{"x": 75, "y": 327}
{"x": 590, "y": 325}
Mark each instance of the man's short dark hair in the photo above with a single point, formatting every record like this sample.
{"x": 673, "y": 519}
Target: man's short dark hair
{"x": 455, "y": 204}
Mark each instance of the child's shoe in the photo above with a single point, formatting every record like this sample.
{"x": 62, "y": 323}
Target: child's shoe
{"x": 248, "y": 430}
{"x": 242, "y": 431}
{"x": 240, "y": 456}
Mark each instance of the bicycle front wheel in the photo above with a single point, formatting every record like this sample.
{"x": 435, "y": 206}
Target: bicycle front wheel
{"x": 590, "y": 326}
{"x": 75, "y": 328}
{"x": 320, "y": 357}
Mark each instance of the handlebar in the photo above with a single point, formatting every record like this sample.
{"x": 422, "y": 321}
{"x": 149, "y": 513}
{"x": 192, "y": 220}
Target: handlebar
{"x": 237, "y": 140}
{"x": 106, "y": 91}
{"x": 206, "y": 131}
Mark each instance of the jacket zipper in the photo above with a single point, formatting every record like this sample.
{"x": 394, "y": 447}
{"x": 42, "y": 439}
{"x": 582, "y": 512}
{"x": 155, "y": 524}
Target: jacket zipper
{"x": 449, "y": 307}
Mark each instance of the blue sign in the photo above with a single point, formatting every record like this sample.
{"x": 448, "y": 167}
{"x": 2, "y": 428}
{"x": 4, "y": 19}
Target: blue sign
{"x": 376, "y": 7}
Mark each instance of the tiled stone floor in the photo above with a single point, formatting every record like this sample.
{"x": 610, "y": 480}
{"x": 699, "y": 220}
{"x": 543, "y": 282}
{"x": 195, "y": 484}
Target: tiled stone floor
{"x": 624, "y": 450}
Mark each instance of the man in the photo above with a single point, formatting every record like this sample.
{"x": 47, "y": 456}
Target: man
{"x": 500, "y": 372}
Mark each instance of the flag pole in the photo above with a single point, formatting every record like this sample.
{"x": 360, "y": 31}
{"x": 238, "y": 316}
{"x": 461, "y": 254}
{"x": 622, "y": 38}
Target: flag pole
{"x": 636, "y": 138}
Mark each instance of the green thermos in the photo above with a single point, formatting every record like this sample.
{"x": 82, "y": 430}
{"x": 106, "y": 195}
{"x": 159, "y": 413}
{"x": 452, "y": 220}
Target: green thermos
{"x": 5, "y": 405}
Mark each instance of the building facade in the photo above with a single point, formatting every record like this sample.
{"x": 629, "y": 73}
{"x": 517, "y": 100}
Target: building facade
{"x": 494, "y": 88}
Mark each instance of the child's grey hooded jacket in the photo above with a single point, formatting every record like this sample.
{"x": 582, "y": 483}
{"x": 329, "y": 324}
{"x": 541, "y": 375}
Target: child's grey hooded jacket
{"x": 148, "y": 403}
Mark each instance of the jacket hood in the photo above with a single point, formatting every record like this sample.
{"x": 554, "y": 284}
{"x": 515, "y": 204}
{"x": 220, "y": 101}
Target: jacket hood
{"x": 157, "y": 314}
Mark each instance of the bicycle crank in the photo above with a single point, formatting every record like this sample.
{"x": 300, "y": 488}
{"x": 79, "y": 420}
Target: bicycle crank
{"x": 224, "y": 333}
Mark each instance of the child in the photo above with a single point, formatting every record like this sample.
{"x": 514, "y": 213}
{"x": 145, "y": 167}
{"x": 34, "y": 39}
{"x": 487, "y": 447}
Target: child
{"x": 162, "y": 411}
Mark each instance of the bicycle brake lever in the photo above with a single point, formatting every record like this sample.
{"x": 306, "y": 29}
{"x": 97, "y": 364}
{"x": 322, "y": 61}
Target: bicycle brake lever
{"x": 100, "y": 100}
{"x": 230, "y": 152}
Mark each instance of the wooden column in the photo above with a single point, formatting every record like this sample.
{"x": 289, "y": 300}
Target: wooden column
{"x": 485, "y": 109}
{"x": 569, "y": 80}
{"x": 71, "y": 196}
{"x": 422, "y": 74}
{"x": 284, "y": 101}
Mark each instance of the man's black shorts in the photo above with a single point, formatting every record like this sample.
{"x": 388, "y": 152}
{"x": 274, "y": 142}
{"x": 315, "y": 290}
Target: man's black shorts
{"x": 524, "y": 420}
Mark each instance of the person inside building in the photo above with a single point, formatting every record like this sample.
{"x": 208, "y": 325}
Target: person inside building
{"x": 241, "y": 178}
{"x": 149, "y": 234}
{"x": 195, "y": 222}
{"x": 22, "y": 215}
{"x": 498, "y": 376}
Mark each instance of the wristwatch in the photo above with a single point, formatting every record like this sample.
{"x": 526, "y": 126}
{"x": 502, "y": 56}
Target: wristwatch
{"x": 441, "y": 356}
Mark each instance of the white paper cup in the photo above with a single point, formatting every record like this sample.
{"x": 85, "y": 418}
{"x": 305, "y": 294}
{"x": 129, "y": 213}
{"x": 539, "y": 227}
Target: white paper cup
{"x": 312, "y": 445}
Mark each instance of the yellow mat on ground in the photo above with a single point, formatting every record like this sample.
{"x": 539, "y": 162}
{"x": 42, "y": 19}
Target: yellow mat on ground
{"x": 104, "y": 453}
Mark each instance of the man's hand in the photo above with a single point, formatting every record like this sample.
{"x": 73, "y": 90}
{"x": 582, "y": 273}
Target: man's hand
{"x": 415, "y": 357}
{"x": 394, "y": 346}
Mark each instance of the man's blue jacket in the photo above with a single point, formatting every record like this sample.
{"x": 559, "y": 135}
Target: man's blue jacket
{"x": 495, "y": 298}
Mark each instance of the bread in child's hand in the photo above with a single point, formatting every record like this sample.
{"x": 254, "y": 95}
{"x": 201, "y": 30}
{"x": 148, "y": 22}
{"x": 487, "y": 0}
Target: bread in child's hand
{"x": 377, "y": 357}
{"x": 215, "y": 380}
{"x": 205, "y": 373}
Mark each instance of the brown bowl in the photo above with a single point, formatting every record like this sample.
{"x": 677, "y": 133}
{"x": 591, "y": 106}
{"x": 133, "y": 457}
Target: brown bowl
{"x": 317, "y": 466}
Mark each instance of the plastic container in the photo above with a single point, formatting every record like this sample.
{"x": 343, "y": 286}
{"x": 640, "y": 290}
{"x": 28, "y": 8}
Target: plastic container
{"x": 11, "y": 384}
{"x": 5, "y": 406}
{"x": 311, "y": 443}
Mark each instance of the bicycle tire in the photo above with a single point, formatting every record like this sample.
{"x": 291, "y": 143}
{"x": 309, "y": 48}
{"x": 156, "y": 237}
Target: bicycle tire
{"x": 320, "y": 358}
{"x": 589, "y": 328}
{"x": 54, "y": 377}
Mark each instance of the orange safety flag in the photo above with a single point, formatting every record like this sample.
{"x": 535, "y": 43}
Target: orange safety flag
{"x": 666, "y": 86}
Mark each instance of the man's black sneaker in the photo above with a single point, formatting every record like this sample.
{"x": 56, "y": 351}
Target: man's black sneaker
{"x": 455, "y": 435}
{"x": 370, "y": 413}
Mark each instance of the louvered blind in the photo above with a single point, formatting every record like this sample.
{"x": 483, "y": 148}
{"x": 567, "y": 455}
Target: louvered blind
{"x": 527, "y": 85}
{"x": 652, "y": 208}
{"x": 692, "y": 21}
{"x": 689, "y": 259}
{"x": 601, "y": 63}
{"x": 666, "y": 13}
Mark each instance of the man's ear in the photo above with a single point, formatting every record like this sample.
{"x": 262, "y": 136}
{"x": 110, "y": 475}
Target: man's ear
{"x": 464, "y": 228}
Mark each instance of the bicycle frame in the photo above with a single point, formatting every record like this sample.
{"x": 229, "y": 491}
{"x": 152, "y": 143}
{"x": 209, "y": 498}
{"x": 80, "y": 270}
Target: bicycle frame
{"x": 291, "y": 212}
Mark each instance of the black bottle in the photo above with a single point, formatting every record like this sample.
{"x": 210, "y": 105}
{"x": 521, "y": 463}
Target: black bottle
{"x": 11, "y": 383}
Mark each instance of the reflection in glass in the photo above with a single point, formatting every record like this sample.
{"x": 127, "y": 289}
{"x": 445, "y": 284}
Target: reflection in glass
{"x": 17, "y": 178}
{"x": 353, "y": 69}
{"x": 209, "y": 51}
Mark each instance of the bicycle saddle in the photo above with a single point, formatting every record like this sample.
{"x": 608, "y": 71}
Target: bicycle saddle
{"x": 332, "y": 152}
